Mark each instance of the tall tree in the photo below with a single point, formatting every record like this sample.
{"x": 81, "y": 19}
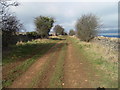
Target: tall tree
{"x": 59, "y": 30}
{"x": 43, "y": 25}
{"x": 8, "y": 23}
{"x": 4, "y": 10}
{"x": 87, "y": 26}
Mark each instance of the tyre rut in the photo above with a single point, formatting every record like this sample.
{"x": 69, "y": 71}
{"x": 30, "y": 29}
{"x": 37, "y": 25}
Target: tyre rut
{"x": 25, "y": 79}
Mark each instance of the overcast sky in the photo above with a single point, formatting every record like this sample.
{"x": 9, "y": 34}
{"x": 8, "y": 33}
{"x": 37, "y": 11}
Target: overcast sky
{"x": 66, "y": 13}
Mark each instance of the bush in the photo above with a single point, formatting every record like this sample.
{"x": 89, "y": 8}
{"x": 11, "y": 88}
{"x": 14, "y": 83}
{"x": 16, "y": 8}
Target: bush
{"x": 33, "y": 35}
{"x": 87, "y": 27}
{"x": 64, "y": 33}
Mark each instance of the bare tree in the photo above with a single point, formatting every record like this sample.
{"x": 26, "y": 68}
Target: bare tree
{"x": 87, "y": 26}
{"x": 4, "y": 9}
{"x": 8, "y": 22}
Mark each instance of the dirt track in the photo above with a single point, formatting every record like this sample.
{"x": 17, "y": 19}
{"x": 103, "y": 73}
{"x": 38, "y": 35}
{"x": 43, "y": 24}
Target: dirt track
{"x": 24, "y": 80}
{"x": 75, "y": 71}
{"x": 75, "y": 75}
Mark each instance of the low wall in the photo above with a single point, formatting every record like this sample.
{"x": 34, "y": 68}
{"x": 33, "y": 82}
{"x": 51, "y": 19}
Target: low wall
{"x": 112, "y": 43}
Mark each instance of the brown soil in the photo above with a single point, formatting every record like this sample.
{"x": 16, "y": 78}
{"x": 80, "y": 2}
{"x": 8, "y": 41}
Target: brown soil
{"x": 25, "y": 79}
{"x": 75, "y": 72}
{"x": 44, "y": 81}
{"x": 6, "y": 69}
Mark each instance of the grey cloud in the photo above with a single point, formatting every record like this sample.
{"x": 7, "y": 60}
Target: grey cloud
{"x": 66, "y": 13}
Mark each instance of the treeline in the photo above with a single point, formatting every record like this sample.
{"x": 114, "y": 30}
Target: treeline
{"x": 11, "y": 26}
{"x": 44, "y": 24}
{"x": 85, "y": 28}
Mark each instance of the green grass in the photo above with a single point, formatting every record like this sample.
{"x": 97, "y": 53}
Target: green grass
{"x": 56, "y": 80}
{"x": 23, "y": 50}
{"x": 57, "y": 74}
{"x": 37, "y": 78}
{"x": 107, "y": 71}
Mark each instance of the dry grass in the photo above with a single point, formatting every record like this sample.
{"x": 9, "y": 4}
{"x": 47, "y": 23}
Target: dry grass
{"x": 106, "y": 52}
{"x": 103, "y": 58}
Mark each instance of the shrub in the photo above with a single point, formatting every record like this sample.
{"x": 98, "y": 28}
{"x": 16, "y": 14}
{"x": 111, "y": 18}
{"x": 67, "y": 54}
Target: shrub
{"x": 87, "y": 26}
{"x": 33, "y": 35}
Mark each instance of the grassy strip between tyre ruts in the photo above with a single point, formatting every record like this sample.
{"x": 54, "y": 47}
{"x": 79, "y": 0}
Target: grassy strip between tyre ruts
{"x": 24, "y": 66}
{"x": 56, "y": 80}
{"x": 36, "y": 79}
{"x": 106, "y": 70}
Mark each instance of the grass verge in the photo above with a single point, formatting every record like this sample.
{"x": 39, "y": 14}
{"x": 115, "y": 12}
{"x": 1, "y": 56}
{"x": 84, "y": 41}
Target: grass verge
{"x": 106, "y": 70}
